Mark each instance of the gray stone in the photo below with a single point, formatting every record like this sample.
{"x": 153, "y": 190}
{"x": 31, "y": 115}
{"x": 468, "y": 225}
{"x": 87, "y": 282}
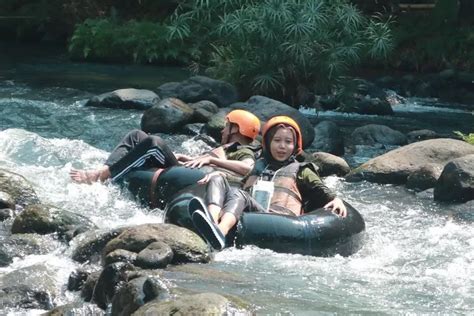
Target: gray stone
{"x": 18, "y": 188}
{"x": 377, "y": 134}
{"x": 200, "y": 88}
{"x": 424, "y": 178}
{"x": 46, "y": 219}
{"x": 330, "y": 164}
{"x": 125, "y": 99}
{"x": 6, "y": 201}
{"x": 136, "y": 293}
{"x": 456, "y": 183}
{"x": 88, "y": 246}
{"x": 167, "y": 116}
{"x": 328, "y": 138}
{"x": 422, "y": 134}
{"x": 120, "y": 255}
{"x": 186, "y": 245}
{"x": 264, "y": 108}
{"x": 395, "y": 166}
{"x": 198, "y": 304}
{"x": 156, "y": 255}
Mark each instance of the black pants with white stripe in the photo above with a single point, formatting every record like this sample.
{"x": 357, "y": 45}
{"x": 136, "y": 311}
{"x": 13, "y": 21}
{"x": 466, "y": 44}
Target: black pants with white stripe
{"x": 139, "y": 150}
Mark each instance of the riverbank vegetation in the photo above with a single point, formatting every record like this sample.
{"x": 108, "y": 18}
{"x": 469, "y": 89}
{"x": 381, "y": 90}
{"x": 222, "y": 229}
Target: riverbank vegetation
{"x": 271, "y": 47}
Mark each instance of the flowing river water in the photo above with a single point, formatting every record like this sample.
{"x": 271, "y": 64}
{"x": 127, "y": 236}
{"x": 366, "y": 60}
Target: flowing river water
{"x": 418, "y": 256}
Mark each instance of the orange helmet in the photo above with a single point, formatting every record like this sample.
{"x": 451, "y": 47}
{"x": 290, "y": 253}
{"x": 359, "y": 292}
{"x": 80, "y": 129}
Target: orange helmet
{"x": 249, "y": 124}
{"x": 285, "y": 120}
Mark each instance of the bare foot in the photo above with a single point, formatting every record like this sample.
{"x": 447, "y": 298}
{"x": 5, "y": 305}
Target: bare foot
{"x": 90, "y": 176}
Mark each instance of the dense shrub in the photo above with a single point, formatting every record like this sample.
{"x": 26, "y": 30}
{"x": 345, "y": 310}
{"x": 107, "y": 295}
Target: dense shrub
{"x": 469, "y": 138}
{"x": 434, "y": 40}
{"x": 280, "y": 48}
{"x": 133, "y": 41}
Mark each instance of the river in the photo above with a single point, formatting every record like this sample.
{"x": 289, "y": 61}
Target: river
{"x": 418, "y": 256}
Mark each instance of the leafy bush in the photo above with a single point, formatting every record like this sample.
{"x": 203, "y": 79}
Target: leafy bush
{"x": 139, "y": 42}
{"x": 466, "y": 137}
{"x": 275, "y": 47}
{"x": 434, "y": 40}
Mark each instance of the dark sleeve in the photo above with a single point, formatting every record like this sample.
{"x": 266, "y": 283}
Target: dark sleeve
{"x": 314, "y": 192}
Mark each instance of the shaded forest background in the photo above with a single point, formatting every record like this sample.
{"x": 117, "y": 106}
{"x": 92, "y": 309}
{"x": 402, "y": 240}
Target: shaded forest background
{"x": 270, "y": 47}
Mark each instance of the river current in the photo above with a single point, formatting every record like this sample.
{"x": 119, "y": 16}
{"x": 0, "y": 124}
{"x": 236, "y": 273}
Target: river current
{"x": 418, "y": 256}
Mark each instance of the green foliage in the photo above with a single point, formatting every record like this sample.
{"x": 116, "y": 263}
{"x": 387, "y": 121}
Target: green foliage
{"x": 466, "y": 137}
{"x": 273, "y": 47}
{"x": 139, "y": 42}
{"x": 434, "y": 40}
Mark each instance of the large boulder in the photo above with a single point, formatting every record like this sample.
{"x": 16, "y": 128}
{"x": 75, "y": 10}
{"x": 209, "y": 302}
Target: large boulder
{"x": 197, "y": 304}
{"x": 456, "y": 183}
{"x": 185, "y": 244}
{"x": 18, "y": 189}
{"x": 377, "y": 134}
{"x": 328, "y": 138}
{"x": 396, "y": 165}
{"x": 167, "y": 116}
{"x": 125, "y": 99}
{"x": 200, "y": 88}
{"x": 264, "y": 108}
{"x": 47, "y": 219}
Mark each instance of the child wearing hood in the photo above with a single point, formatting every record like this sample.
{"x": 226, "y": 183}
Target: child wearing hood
{"x": 296, "y": 186}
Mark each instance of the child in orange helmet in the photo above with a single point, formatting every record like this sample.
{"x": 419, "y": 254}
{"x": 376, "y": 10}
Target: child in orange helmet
{"x": 296, "y": 186}
{"x": 138, "y": 149}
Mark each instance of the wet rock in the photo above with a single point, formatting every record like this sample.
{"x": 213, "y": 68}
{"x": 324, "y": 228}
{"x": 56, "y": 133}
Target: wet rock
{"x": 330, "y": 165}
{"x": 46, "y": 219}
{"x": 456, "y": 183}
{"x": 156, "y": 255}
{"x": 203, "y": 111}
{"x": 88, "y": 287}
{"x": 110, "y": 280}
{"x": 136, "y": 293}
{"x": 186, "y": 245}
{"x": 422, "y": 134}
{"x": 120, "y": 255}
{"x": 264, "y": 108}
{"x": 6, "y": 201}
{"x": 125, "y": 99}
{"x": 77, "y": 279}
{"x": 168, "y": 116}
{"x": 5, "y": 213}
{"x": 32, "y": 287}
{"x": 78, "y": 308}
{"x": 198, "y": 88}
{"x": 88, "y": 246}
{"x": 395, "y": 166}
{"x": 424, "y": 178}
{"x": 377, "y": 134}
{"x": 371, "y": 106}
{"x": 5, "y": 259}
{"x": 216, "y": 123}
{"x": 22, "y": 245}
{"x": 17, "y": 188}
{"x": 198, "y": 304}
{"x": 329, "y": 138}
